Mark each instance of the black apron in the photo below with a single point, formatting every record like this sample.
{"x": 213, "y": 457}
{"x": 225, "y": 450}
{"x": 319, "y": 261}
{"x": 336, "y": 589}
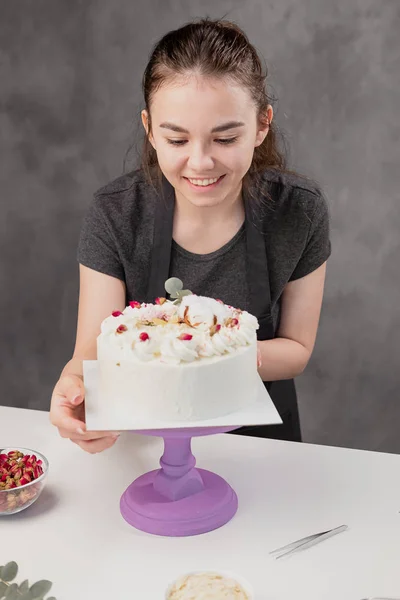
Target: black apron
{"x": 283, "y": 393}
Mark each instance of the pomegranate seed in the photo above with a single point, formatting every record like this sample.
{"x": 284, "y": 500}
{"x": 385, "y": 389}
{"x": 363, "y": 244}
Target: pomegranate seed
{"x": 185, "y": 337}
{"x": 134, "y": 304}
{"x": 160, "y": 301}
{"x": 116, "y": 313}
{"x": 144, "y": 336}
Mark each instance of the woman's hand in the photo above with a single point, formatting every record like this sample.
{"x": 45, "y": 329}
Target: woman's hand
{"x": 68, "y": 415}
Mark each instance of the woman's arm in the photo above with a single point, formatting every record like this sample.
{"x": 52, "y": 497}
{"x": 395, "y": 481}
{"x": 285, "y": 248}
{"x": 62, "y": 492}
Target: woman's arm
{"x": 287, "y": 355}
{"x": 99, "y": 295}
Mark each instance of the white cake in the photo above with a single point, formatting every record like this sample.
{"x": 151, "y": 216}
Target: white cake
{"x": 188, "y": 360}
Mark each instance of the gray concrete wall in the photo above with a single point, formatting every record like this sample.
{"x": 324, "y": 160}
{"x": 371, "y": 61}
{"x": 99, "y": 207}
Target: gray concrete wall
{"x": 70, "y": 99}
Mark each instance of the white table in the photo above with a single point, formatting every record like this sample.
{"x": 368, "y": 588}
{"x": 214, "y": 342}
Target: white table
{"x": 75, "y": 536}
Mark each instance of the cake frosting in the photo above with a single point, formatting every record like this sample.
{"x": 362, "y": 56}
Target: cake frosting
{"x": 198, "y": 327}
{"x": 188, "y": 359}
{"x": 207, "y": 586}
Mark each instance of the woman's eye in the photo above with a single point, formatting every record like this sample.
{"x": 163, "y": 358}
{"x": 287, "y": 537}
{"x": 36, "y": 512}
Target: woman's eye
{"x": 223, "y": 141}
{"x": 176, "y": 142}
{"x": 226, "y": 140}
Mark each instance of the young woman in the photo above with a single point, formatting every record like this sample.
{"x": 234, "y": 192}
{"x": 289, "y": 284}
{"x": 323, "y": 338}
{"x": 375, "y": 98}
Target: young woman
{"x": 213, "y": 205}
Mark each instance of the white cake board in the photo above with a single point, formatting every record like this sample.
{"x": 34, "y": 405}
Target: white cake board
{"x": 105, "y": 417}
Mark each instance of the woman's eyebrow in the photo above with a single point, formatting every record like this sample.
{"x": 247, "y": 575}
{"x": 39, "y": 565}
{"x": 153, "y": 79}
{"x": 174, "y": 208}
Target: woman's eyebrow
{"x": 218, "y": 129}
{"x": 226, "y": 126}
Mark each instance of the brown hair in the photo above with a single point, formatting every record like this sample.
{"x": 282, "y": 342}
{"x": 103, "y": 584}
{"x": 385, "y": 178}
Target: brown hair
{"x": 214, "y": 48}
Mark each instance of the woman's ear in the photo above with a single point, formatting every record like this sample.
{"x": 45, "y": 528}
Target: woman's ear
{"x": 264, "y": 121}
{"x": 146, "y": 125}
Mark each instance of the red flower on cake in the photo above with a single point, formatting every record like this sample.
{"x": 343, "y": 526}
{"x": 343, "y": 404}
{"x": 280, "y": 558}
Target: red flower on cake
{"x": 214, "y": 329}
{"x": 121, "y": 329}
{"x": 232, "y": 322}
{"x": 134, "y": 304}
{"x": 185, "y": 337}
{"x": 116, "y": 313}
{"x": 160, "y": 301}
{"x": 144, "y": 336}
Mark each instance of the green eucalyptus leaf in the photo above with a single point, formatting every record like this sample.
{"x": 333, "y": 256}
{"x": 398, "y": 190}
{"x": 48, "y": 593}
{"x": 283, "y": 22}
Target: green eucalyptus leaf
{"x": 26, "y": 596}
{"x": 185, "y": 293}
{"x": 12, "y": 592}
{"x": 52, "y": 598}
{"x": 1, "y": 568}
{"x": 40, "y": 589}
{"x": 173, "y": 285}
{"x": 24, "y": 587}
{"x": 3, "y": 589}
{"x": 9, "y": 572}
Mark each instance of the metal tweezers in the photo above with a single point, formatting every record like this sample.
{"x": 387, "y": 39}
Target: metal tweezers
{"x": 307, "y": 542}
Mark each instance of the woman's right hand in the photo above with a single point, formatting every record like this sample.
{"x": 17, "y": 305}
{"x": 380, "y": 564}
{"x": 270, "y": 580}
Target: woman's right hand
{"x": 68, "y": 415}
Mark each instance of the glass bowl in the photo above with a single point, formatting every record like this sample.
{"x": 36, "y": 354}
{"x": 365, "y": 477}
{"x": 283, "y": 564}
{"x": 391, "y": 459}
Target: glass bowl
{"x": 16, "y": 499}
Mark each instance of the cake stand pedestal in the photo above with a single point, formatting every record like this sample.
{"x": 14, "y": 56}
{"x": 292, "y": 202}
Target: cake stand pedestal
{"x": 179, "y": 499}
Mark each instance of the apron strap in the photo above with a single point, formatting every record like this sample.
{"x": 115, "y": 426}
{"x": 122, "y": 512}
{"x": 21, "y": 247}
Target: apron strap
{"x": 162, "y": 241}
{"x": 258, "y": 275}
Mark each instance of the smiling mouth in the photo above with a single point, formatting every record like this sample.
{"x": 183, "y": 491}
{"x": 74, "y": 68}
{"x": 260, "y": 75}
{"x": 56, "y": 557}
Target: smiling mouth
{"x": 205, "y": 182}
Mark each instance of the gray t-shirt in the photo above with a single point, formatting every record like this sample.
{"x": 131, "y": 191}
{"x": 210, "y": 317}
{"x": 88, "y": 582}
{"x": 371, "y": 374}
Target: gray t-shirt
{"x": 117, "y": 233}
{"x": 220, "y": 274}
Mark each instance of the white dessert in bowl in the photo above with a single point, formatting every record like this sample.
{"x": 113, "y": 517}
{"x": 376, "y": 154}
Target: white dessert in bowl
{"x": 209, "y": 585}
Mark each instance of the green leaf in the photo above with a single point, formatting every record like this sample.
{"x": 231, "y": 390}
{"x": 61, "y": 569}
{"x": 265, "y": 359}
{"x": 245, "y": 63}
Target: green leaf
{"x": 12, "y": 592}
{"x": 52, "y": 598}
{"x": 173, "y": 285}
{"x": 9, "y": 572}
{"x": 26, "y": 596}
{"x": 1, "y": 568}
{"x": 40, "y": 589}
{"x": 3, "y": 589}
{"x": 24, "y": 587}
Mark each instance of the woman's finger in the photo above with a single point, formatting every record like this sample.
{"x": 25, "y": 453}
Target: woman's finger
{"x": 62, "y": 417}
{"x": 95, "y": 446}
{"x": 72, "y": 388}
{"x": 90, "y": 435}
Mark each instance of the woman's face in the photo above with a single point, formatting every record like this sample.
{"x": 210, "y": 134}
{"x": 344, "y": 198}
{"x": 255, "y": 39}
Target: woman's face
{"x": 204, "y": 132}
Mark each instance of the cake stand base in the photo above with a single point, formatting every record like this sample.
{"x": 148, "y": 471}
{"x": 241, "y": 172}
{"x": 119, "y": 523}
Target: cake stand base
{"x": 179, "y": 499}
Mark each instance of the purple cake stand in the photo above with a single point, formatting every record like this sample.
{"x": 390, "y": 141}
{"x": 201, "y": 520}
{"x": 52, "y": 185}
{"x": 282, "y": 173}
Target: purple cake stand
{"x": 179, "y": 499}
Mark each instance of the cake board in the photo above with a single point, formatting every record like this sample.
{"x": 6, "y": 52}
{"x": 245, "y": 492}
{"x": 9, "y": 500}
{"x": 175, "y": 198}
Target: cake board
{"x": 179, "y": 499}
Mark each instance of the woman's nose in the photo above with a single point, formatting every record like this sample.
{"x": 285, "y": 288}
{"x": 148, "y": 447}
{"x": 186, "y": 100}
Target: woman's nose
{"x": 200, "y": 160}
